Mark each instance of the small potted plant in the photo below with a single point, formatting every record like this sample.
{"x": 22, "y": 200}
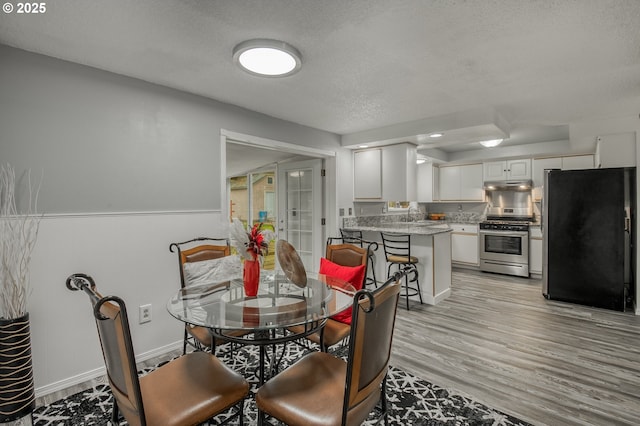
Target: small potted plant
{"x": 18, "y": 234}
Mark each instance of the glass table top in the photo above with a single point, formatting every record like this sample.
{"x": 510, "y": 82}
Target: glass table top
{"x": 279, "y": 303}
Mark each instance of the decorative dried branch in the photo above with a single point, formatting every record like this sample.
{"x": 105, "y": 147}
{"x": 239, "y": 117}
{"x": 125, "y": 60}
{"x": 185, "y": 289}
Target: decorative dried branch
{"x": 18, "y": 235}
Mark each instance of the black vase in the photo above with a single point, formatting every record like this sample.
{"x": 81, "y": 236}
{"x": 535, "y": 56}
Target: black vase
{"x": 17, "y": 396}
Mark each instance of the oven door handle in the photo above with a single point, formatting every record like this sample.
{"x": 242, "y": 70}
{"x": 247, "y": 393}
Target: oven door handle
{"x": 505, "y": 233}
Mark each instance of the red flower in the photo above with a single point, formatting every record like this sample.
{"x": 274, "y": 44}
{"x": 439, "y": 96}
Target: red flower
{"x": 257, "y": 245}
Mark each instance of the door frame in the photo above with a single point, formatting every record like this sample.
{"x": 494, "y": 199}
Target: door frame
{"x": 329, "y": 187}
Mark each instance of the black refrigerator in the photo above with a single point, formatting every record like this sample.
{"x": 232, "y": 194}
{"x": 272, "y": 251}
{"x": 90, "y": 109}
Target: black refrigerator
{"x": 588, "y": 223}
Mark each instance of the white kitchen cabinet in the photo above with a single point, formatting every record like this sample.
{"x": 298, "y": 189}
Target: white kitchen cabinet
{"x": 367, "y": 174}
{"x": 616, "y": 150}
{"x": 535, "y": 250}
{"x": 399, "y": 172}
{"x": 461, "y": 183}
{"x": 449, "y": 183}
{"x": 464, "y": 244}
{"x": 425, "y": 182}
{"x": 571, "y": 162}
{"x": 577, "y": 162}
{"x": 507, "y": 170}
{"x": 471, "y": 185}
{"x": 387, "y": 173}
{"x": 539, "y": 166}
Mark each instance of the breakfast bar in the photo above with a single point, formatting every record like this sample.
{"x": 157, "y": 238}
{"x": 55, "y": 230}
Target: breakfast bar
{"x": 430, "y": 243}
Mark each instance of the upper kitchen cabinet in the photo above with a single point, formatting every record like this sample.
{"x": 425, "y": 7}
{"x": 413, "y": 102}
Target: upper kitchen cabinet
{"x": 571, "y": 162}
{"x": 399, "y": 174}
{"x": 427, "y": 182}
{"x": 387, "y": 173}
{"x": 577, "y": 162}
{"x": 539, "y": 166}
{"x": 507, "y": 170}
{"x": 461, "y": 183}
{"x": 616, "y": 150}
{"x": 367, "y": 174}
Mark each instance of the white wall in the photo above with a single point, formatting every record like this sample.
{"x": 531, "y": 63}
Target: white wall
{"x": 128, "y": 256}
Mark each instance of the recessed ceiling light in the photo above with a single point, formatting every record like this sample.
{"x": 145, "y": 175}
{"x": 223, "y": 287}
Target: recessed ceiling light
{"x": 491, "y": 143}
{"x": 267, "y": 58}
{"x": 363, "y": 146}
{"x": 421, "y": 160}
{"x": 436, "y": 135}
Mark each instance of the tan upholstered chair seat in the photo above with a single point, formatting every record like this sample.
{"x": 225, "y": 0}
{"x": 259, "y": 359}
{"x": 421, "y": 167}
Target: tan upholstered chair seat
{"x": 334, "y": 332}
{"x": 403, "y": 259}
{"x": 170, "y": 400}
{"x": 316, "y": 389}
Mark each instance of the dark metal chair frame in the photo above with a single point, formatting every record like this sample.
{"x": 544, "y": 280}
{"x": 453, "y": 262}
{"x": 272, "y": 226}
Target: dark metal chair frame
{"x": 224, "y": 247}
{"x": 360, "y": 384}
{"x": 86, "y": 283}
{"x": 399, "y": 246}
{"x": 355, "y": 237}
{"x": 318, "y": 336}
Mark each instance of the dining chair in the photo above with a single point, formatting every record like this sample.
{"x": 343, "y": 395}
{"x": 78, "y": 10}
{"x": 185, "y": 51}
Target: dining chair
{"x": 200, "y": 249}
{"x": 323, "y": 389}
{"x": 355, "y": 237}
{"x": 397, "y": 252}
{"x": 336, "y": 329}
{"x": 185, "y": 391}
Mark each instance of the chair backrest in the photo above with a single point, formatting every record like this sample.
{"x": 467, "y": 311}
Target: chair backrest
{"x": 110, "y": 314}
{"x": 396, "y": 245}
{"x": 372, "y": 324}
{"x": 187, "y": 252}
{"x": 346, "y": 254}
{"x": 352, "y": 237}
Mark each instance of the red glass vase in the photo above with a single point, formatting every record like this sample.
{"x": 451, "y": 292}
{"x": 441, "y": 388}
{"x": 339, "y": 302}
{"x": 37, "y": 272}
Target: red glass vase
{"x": 251, "y": 276}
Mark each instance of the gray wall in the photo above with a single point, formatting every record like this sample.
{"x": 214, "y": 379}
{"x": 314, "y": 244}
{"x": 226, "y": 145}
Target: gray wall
{"x": 108, "y": 143}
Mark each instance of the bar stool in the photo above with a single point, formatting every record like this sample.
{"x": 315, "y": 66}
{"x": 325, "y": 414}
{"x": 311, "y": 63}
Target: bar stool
{"x": 355, "y": 237}
{"x": 397, "y": 251}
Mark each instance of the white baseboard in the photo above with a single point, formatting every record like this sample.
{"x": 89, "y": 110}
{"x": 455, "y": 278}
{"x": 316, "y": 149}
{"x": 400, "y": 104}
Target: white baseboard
{"x": 98, "y": 372}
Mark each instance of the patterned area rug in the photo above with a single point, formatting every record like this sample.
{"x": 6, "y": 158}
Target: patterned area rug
{"x": 412, "y": 401}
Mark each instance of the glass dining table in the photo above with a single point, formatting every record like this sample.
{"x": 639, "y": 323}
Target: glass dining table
{"x": 223, "y": 307}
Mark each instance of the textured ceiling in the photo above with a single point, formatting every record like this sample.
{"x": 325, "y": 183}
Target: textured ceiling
{"x": 367, "y": 64}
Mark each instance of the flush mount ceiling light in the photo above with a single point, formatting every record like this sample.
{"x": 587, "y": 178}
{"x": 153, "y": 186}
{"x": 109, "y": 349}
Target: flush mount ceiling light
{"x": 491, "y": 143}
{"x": 267, "y": 58}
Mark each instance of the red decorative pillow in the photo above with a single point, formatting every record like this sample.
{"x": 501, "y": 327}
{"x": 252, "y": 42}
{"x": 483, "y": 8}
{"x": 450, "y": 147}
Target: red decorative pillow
{"x": 351, "y": 274}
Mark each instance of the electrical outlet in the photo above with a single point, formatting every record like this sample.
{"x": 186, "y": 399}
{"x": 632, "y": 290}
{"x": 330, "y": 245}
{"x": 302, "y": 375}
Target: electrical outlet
{"x": 144, "y": 314}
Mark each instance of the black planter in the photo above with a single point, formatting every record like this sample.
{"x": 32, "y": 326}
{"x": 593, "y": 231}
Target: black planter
{"x": 17, "y": 396}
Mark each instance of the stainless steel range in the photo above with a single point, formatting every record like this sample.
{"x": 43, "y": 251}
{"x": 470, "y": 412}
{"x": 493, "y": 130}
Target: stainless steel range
{"x": 504, "y": 246}
{"x": 504, "y": 236}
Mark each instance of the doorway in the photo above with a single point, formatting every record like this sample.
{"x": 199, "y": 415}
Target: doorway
{"x": 300, "y": 193}
{"x": 265, "y": 155}
{"x": 253, "y": 200}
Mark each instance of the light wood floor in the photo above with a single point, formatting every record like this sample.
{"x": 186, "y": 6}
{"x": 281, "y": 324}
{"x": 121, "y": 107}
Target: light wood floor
{"x": 496, "y": 339}
{"x": 550, "y": 363}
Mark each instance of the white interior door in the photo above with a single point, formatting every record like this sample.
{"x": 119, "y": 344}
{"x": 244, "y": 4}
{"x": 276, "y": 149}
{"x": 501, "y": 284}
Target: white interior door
{"x": 300, "y": 210}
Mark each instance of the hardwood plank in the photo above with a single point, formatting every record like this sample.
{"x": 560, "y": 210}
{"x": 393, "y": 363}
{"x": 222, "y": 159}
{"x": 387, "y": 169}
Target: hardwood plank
{"x": 499, "y": 341}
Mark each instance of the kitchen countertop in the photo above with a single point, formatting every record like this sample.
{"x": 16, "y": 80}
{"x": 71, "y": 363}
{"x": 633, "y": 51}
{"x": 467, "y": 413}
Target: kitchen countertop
{"x": 414, "y": 228}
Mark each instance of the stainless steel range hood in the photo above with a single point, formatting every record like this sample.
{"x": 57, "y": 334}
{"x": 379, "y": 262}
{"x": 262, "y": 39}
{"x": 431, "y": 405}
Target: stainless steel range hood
{"x": 516, "y": 185}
